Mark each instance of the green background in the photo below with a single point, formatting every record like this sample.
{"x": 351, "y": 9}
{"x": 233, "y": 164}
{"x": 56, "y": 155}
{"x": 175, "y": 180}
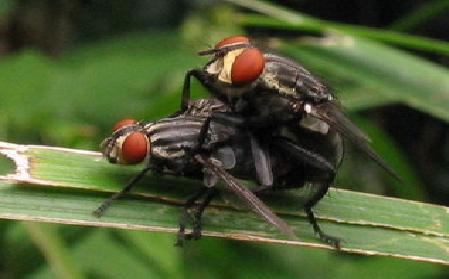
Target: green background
{"x": 70, "y": 70}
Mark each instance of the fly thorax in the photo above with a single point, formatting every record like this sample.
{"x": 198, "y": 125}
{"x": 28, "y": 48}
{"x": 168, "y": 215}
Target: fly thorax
{"x": 168, "y": 150}
{"x": 270, "y": 80}
{"x": 162, "y": 152}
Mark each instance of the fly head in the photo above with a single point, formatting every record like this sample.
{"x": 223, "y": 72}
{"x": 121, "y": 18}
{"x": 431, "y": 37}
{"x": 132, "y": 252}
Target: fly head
{"x": 128, "y": 143}
{"x": 235, "y": 62}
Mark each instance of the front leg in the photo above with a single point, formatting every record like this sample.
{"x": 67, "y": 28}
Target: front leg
{"x": 186, "y": 89}
{"x": 105, "y": 204}
{"x": 202, "y": 77}
{"x": 208, "y": 81}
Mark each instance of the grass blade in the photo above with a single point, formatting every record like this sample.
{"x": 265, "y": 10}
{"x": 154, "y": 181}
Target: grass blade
{"x": 421, "y": 15}
{"x": 64, "y": 186}
{"x": 278, "y": 18}
{"x": 54, "y": 249}
{"x": 424, "y": 85}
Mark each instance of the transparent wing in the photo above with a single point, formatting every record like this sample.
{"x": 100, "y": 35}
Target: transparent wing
{"x": 332, "y": 114}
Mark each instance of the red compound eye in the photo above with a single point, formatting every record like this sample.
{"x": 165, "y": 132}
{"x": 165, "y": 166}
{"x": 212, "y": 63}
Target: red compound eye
{"x": 232, "y": 40}
{"x": 247, "y": 66}
{"x": 122, "y": 123}
{"x": 134, "y": 148}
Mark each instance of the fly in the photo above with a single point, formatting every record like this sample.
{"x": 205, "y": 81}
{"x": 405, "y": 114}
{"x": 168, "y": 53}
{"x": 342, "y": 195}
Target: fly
{"x": 270, "y": 90}
{"x": 197, "y": 146}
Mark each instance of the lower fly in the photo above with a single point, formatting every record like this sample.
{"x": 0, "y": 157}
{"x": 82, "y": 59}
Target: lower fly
{"x": 213, "y": 149}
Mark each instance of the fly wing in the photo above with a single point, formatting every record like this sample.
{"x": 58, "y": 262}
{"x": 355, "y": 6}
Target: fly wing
{"x": 332, "y": 114}
{"x": 226, "y": 156}
{"x": 247, "y": 196}
{"x": 262, "y": 162}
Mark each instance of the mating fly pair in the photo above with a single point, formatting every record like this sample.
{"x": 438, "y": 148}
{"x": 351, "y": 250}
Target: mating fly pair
{"x": 276, "y": 124}
{"x": 197, "y": 146}
{"x": 276, "y": 95}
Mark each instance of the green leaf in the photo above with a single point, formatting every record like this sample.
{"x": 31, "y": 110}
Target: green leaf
{"x": 102, "y": 256}
{"x": 6, "y": 6}
{"x": 154, "y": 247}
{"x": 139, "y": 72}
{"x": 382, "y": 74}
{"x": 54, "y": 249}
{"x": 366, "y": 72}
{"x": 276, "y": 17}
{"x": 64, "y": 186}
{"x": 420, "y": 15}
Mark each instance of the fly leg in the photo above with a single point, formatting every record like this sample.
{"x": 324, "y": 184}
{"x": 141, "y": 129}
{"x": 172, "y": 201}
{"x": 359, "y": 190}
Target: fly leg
{"x": 202, "y": 77}
{"x": 185, "y": 216}
{"x": 323, "y": 182}
{"x": 254, "y": 203}
{"x": 323, "y": 186}
{"x": 306, "y": 156}
{"x": 196, "y": 232}
{"x": 186, "y": 89}
{"x": 105, "y": 204}
{"x": 203, "y": 133}
{"x": 332, "y": 240}
{"x": 205, "y": 80}
{"x": 215, "y": 116}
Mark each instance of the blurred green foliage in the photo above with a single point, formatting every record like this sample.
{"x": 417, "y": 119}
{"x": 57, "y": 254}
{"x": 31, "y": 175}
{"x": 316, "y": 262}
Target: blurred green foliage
{"x": 66, "y": 89}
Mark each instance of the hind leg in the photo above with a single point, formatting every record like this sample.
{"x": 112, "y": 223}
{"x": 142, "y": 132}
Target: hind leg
{"x": 323, "y": 187}
{"x": 332, "y": 240}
